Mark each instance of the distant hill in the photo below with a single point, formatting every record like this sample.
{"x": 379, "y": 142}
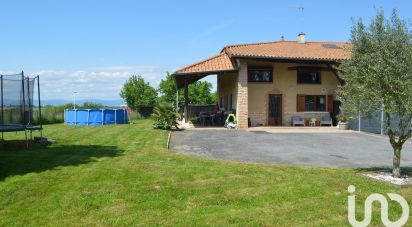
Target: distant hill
{"x": 57, "y": 102}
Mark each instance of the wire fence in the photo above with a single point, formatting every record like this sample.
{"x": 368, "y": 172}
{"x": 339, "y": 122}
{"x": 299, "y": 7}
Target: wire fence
{"x": 50, "y": 115}
{"x": 55, "y": 114}
{"x": 374, "y": 123}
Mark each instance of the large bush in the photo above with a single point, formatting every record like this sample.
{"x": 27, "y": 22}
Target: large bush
{"x": 136, "y": 91}
{"x": 165, "y": 115}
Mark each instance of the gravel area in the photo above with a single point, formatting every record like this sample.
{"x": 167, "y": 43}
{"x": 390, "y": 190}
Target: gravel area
{"x": 404, "y": 181}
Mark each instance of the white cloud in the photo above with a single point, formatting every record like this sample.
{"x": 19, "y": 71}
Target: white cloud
{"x": 96, "y": 83}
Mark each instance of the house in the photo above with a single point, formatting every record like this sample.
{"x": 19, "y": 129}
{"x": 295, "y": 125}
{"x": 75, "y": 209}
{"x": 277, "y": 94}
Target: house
{"x": 268, "y": 83}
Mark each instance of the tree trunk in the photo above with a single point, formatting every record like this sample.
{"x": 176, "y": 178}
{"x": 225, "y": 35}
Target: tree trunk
{"x": 396, "y": 171}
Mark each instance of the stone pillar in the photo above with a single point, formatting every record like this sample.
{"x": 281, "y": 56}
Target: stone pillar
{"x": 242, "y": 107}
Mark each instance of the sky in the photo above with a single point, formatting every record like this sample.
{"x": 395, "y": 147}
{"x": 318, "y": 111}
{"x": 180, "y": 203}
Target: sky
{"x": 93, "y": 46}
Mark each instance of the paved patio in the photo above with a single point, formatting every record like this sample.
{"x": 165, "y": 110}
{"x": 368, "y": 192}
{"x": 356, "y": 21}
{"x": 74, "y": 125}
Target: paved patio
{"x": 326, "y": 147}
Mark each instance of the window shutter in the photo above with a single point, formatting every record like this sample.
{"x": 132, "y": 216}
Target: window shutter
{"x": 330, "y": 103}
{"x": 301, "y": 103}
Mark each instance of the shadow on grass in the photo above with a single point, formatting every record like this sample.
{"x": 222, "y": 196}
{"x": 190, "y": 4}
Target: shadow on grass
{"x": 15, "y": 159}
{"x": 404, "y": 170}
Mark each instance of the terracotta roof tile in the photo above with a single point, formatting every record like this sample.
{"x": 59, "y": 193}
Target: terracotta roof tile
{"x": 288, "y": 50}
{"x": 216, "y": 63}
{"x": 333, "y": 51}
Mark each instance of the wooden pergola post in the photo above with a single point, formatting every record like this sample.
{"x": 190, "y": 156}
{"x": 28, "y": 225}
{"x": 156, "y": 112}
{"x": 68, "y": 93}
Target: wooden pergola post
{"x": 186, "y": 106}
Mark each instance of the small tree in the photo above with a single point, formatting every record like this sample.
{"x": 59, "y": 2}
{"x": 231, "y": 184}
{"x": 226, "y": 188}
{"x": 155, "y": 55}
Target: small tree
{"x": 200, "y": 92}
{"x": 165, "y": 115}
{"x": 378, "y": 74}
{"x": 167, "y": 90}
{"x": 137, "y": 92}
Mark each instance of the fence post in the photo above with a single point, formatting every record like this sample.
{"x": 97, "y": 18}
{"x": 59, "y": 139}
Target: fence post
{"x": 382, "y": 113}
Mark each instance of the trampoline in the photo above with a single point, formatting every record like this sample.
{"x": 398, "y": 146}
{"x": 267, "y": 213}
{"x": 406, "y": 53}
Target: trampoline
{"x": 95, "y": 117}
{"x": 20, "y": 107}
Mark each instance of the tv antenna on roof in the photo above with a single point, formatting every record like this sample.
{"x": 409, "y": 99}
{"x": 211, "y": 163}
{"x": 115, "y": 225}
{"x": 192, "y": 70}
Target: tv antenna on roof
{"x": 302, "y": 19}
{"x": 301, "y": 10}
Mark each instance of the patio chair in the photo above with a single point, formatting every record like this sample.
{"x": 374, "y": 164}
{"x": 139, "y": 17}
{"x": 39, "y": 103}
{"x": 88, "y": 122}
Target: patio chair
{"x": 312, "y": 122}
{"x": 203, "y": 118}
{"x": 326, "y": 120}
{"x": 297, "y": 120}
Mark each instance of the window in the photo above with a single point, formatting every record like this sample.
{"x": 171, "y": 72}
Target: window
{"x": 308, "y": 77}
{"x": 264, "y": 75}
{"x": 308, "y": 103}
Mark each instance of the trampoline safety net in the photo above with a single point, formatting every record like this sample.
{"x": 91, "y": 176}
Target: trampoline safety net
{"x": 20, "y": 103}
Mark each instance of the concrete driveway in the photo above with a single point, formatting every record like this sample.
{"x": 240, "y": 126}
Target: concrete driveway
{"x": 330, "y": 149}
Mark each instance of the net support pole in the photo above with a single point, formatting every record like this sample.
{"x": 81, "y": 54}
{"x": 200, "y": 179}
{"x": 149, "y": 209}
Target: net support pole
{"x": 29, "y": 123}
{"x": 2, "y": 104}
{"x": 29, "y": 101}
{"x": 24, "y": 108}
{"x": 38, "y": 96}
{"x": 23, "y": 99}
{"x": 27, "y": 140}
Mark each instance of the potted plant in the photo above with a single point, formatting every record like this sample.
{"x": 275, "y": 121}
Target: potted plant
{"x": 343, "y": 122}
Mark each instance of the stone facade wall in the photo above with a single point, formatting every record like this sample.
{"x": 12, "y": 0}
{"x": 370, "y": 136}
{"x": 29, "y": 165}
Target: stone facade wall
{"x": 251, "y": 99}
{"x": 242, "y": 107}
{"x": 258, "y": 118}
{"x": 285, "y": 84}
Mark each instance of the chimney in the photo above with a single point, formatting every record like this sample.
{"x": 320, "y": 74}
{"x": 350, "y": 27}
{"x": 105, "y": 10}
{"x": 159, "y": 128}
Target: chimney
{"x": 282, "y": 38}
{"x": 301, "y": 38}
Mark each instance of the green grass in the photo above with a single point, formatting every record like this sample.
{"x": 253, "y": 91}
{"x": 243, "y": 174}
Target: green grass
{"x": 124, "y": 175}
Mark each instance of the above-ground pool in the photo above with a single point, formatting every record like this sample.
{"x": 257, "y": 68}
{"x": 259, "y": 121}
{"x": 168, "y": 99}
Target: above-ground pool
{"x": 95, "y": 116}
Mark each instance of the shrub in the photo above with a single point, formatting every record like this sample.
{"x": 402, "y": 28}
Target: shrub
{"x": 342, "y": 118}
{"x": 165, "y": 115}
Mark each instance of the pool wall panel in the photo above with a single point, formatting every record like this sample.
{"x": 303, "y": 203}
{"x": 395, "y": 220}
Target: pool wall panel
{"x": 95, "y": 117}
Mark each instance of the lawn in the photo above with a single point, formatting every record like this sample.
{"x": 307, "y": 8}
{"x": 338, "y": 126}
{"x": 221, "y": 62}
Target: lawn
{"x": 124, "y": 175}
